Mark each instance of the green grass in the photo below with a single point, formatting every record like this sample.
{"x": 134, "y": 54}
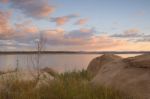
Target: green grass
{"x": 69, "y": 85}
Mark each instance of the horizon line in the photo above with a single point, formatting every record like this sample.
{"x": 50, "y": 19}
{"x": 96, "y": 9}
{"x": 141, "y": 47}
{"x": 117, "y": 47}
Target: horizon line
{"x": 75, "y": 52}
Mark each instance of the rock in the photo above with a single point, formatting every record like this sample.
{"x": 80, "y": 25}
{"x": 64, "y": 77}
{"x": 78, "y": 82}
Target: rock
{"x": 127, "y": 76}
{"x": 142, "y": 61}
{"x": 49, "y": 71}
{"x": 98, "y": 62}
{"x": 46, "y": 75}
{"x": 16, "y": 76}
{"x": 7, "y": 79}
{"x": 1, "y": 72}
{"x": 7, "y": 72}
{"x": 44, "y": 80}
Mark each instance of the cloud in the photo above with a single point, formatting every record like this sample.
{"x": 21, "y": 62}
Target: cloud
{"x": 26, "y": 29}
{"x": 140, "y": 13}
{"x": 133, "y": 35}
{"x": 5, "y": 27}
{"x": 80, "y": 39}
{"x": 4, "y": 1}
{"x": 64, "y": 19}
{"x": 23, "y": 36}
{"x": 81, "y": 33}
{"x": 81, "y": 22}
{"x": 130, "y": 33}
{"x": 144, "y": 38}
{"x": 11, "y": 43}
{"x": 57, "y": 33}
{"x": 31, "y": 30}
{"x": 106, "y": 42}
{"x": 22, "y": 32}
{"x": 33, "y": 8}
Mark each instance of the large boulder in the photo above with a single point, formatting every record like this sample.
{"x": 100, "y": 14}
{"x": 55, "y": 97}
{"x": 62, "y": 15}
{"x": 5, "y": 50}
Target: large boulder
{"x": 131, "y": 76}
{"x": 142, "y": 61}
{"x": 98, "y": 62}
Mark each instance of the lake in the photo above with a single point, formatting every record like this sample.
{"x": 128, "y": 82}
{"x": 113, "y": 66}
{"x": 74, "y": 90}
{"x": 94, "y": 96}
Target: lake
{"x": 59, "y": 62}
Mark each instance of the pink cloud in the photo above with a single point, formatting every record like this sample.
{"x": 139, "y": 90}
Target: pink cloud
{"x": 57, "y": 37}
{"x": 85, "y": 30}
{"x": 63, "y": 19}
{"x": 32, "y": 29}
{"x": 81, "y": 22}
{"x": 17, "y": 31}
{"x": 4, "y": 1}
{"x": 26, "y": 29}
{"x": 57, "y": 33}
{"x": 44, "y": 11}
{"x": 5, "y": 27}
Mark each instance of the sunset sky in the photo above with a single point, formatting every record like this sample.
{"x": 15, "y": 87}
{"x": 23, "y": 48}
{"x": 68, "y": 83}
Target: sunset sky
{"x": 78, "y": 25}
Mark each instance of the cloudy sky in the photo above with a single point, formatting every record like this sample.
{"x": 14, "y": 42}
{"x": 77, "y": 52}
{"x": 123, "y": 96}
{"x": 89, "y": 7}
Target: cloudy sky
{"x": 76, "y": 25}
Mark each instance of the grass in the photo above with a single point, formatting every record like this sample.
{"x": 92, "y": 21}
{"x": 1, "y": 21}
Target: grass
{"x": 69, "y": 85}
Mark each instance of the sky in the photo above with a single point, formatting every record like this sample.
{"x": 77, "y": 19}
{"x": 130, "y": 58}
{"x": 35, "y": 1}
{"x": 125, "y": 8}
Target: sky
{"x": 75, "y": 25}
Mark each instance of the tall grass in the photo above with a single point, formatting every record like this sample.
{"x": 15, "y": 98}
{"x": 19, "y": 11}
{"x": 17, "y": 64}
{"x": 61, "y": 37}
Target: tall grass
{"x": 69, "y": 85}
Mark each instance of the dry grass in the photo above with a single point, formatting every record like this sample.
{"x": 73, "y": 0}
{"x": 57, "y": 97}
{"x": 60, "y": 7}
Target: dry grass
{"x": 69, "y": 85}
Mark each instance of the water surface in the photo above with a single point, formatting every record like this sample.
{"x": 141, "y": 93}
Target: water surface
{"x": 59, "y": 62}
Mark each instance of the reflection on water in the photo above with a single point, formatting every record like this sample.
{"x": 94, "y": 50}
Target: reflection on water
{"x": 60, "y": 62}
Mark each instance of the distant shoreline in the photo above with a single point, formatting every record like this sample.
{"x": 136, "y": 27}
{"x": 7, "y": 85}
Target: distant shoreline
{"x": 75, "y": 52}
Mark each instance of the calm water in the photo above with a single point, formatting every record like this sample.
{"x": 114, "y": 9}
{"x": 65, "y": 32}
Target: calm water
{"x": 59, "y": 62}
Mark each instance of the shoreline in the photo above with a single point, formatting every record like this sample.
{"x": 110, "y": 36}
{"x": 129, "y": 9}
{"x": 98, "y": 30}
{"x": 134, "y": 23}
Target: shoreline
{"x": 75, "y": 52}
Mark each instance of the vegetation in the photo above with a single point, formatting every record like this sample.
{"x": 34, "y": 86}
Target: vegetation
{"x": 69, "y": 85}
